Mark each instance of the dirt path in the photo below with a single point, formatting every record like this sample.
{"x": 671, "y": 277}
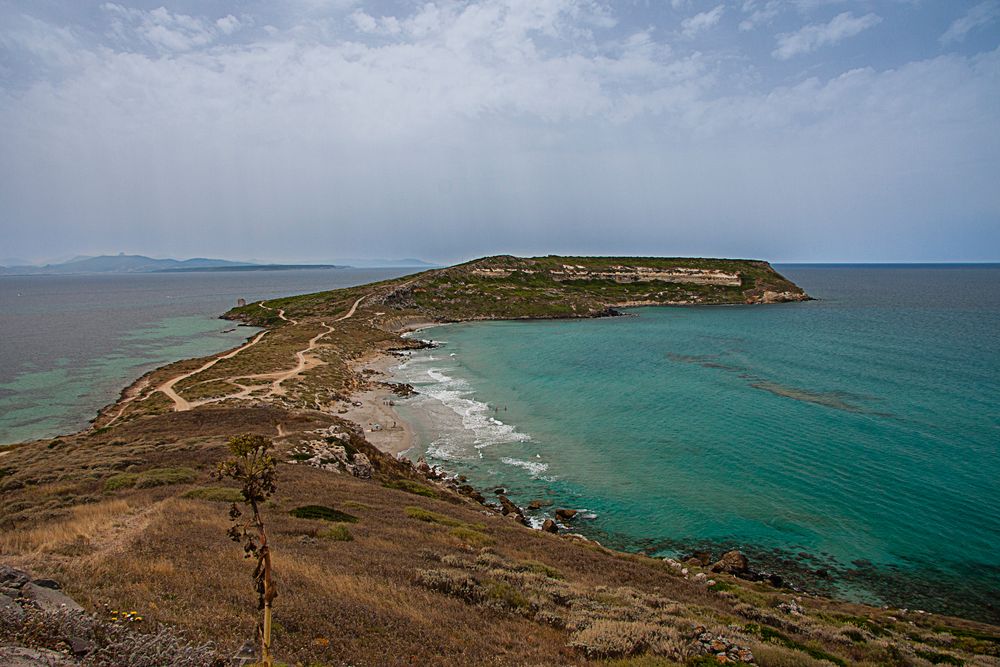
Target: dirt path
{"x": 305, "y": 362}
{"x": 180, "y": 403}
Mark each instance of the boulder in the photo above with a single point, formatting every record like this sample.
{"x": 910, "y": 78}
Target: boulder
{"x": 565, "y": 514}
{"x": 48, "y": 599}
{"x": 732, "y": 562}
{"x": 699, "y": 558}
{"x": 361, "y": 467}
{"x": 537, "y": 504}
{"x": 550, "y": 526}
{"x": 12, "y": 579}
{"x": 10, "y": 608}
{"x": 47, "y": 583}
{"x": 508, "y": 508}
{"x": 470, "y": 491}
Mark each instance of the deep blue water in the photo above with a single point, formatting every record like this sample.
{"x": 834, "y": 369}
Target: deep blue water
{"x": 857, "y": 434}
{"x": 70, "y": 344}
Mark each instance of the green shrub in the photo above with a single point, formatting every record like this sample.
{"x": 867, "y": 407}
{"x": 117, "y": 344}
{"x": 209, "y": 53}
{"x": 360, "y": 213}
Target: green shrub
{"x": 506, "y": 596}
{"x": 471, "y": 537}
{"x": 217, "y": 494}
{"x": 323, "y": 514}
{"x": 936, "y": 658}
{"x": 337, "y": 533}
{"x": 770, "y": 634}
{"x": 355, "y": 505}
{"x": 412, "y": 487}
{"x": 539, "y": 568}
{"x": 164, "y": 476}
{"x": 421, "y": 514}
{"x": 124, "y": 480}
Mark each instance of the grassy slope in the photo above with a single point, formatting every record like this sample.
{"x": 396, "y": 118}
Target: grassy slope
{"x": 127, "y": 515}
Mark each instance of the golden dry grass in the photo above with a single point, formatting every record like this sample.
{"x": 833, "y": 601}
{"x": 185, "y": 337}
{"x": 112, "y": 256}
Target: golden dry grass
{"x": 85, "y": 522}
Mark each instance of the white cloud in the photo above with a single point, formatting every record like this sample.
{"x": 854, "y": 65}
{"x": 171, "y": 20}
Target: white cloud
{"x": 228, "y": 24}
{"x": 702, "y": 21}
{"x": 812, "y": 37}
{"x": 981, "y": 15}
{"x": 165, "y": 30}
{"x": 759, "y": 13}
{"x": 526, "y": 119}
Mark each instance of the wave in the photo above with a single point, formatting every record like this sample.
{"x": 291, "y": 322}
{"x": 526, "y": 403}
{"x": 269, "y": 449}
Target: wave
{"x": 479, "y": 428}
{"x": 536, "y": 468}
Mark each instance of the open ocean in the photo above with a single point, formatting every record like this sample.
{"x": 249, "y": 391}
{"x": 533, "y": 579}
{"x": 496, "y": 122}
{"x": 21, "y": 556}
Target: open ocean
{"x": 70, "y": 344}
{"x": 851, "y": 443}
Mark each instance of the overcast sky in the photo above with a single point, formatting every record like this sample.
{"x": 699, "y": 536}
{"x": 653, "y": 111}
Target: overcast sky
{"x": 791, "y": 130}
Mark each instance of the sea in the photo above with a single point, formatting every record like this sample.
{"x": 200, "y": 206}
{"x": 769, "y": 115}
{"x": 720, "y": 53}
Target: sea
{"x": 70, "y": 344}
{"x": 850, "y": 444}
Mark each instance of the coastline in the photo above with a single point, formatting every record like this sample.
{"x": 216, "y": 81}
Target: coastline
{"x": 382, "y": 425}
{"x": 804, "y": 570}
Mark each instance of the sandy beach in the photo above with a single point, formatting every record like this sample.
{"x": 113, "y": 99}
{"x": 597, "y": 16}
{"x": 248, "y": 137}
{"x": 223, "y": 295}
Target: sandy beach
{"x": 383, "y": 426}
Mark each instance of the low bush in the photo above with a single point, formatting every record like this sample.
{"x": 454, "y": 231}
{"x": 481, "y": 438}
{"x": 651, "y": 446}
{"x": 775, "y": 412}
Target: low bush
{"x": 323, "y": 513}
{"x": 471, "y": 537}
{"x": 412, "y": 487}
{"x": 114, "y": 643}
{"x": 124, "y": 480}
{"x": 164, "y": 477}
{"x": 149, "y": 478}
{"x": 421, "y": 514}
{"x": 217, "y": 494}
{"x": 336, "y": 533}
{"x": 619, "y": 639}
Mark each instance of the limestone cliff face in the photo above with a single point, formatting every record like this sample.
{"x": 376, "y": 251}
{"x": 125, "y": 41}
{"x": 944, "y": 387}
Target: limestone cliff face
{"x": 623, "y": 274}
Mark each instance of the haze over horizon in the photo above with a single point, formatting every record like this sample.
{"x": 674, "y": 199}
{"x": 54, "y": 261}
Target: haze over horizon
{"x": 789, "y": 130}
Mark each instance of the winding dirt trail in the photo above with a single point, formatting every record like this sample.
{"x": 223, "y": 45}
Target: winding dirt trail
{"x": 180, "y": 403}
{"x": 305, "y": 362}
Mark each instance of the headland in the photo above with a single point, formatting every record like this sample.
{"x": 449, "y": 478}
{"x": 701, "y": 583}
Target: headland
{"x": 422, "y": 569}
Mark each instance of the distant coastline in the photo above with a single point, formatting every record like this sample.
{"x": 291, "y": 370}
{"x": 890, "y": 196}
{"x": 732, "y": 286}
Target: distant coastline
{"x": 253, "y": 267}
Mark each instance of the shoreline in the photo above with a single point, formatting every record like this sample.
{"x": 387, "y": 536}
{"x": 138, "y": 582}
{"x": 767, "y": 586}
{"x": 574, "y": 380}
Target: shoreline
{"x": 784, "y": 567}
{"x": 383, "y": 427}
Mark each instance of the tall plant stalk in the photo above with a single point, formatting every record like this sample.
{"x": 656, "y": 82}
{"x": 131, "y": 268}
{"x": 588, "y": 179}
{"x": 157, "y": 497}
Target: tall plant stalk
{"x": 253, "y": 467}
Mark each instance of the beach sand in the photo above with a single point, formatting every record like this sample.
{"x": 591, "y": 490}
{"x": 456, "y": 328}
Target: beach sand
{"x": 392, "y": 434}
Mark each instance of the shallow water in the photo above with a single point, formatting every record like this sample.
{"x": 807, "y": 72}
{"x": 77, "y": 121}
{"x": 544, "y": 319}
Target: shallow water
{"x": 856, "y": 434}
{"x": 72, "y": 343}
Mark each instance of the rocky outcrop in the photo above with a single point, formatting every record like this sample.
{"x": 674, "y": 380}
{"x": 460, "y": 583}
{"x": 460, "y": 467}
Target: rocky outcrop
{"x": 509, "y": 509}
{"x": 334, "y": 453}
{"x": 565, "y": 514}
{"x": 732, "y": 562}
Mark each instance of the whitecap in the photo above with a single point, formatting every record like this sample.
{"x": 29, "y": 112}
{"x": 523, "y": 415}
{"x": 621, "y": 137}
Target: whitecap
{"x": 534, "y": 467}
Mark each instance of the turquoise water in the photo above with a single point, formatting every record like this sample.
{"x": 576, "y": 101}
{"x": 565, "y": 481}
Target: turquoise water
{"x": 70, "y": 344}
{"x": 857, "y": 434}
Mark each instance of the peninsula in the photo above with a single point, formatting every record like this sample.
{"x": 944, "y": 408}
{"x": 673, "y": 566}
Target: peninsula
{"x": 381, "y": 561}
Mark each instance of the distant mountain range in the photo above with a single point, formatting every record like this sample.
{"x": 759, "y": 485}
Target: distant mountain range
{"x": 123, "y": 263}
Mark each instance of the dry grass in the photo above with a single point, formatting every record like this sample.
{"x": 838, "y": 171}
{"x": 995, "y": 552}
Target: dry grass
{"x": 85, "y": 523}
{"x": 413, "y": 585}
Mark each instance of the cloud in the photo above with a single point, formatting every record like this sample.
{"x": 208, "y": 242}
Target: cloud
{"x": 165, "y": 30}
{"x": 703, "y": 21}
{"x": 981, "y": 15}
{"x": 759, "y": 13}
{"x": 812, "y": 37}
{"x": 480, "y": 127}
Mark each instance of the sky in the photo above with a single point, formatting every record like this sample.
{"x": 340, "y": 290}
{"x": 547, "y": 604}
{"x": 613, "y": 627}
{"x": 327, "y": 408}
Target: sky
{"x": 309, "y": 130}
